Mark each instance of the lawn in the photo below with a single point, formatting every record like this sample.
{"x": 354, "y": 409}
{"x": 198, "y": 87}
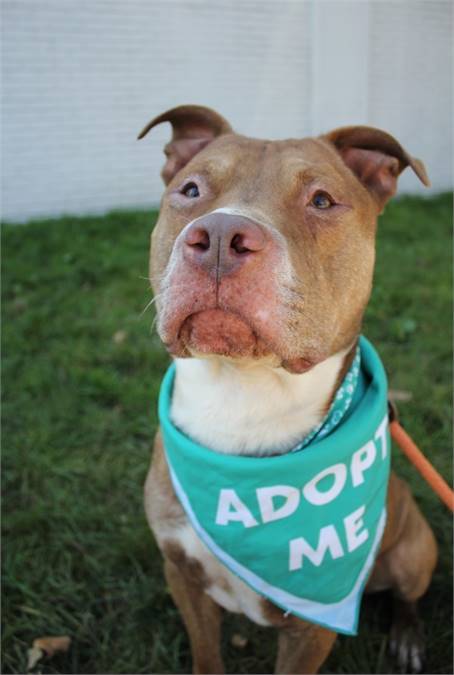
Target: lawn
{"x": 81, "y": 373}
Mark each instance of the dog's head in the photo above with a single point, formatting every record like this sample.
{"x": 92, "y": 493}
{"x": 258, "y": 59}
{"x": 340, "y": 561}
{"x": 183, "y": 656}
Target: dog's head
{"x": 266, "y": 248}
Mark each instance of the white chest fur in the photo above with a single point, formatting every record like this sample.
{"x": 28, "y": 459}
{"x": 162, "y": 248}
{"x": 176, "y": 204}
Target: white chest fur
{"x": 252, "y": 409}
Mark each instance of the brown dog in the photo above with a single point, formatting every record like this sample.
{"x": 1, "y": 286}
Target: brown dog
{"x": 262, "y": 262}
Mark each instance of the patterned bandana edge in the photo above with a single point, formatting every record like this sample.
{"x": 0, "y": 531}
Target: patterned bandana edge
{"x": 339, "y": 406}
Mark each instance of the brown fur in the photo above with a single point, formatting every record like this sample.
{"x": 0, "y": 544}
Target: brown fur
{"x": 324, "y": 249}
{"x": 332, "y": 254}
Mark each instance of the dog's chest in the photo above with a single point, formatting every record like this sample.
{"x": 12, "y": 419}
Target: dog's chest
{"x": 224, "y": 587}
{"x": 254, "y": 410}
{"x": 237, "y": 411}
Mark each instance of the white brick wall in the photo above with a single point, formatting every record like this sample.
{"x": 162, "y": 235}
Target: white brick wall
{"x": 81, "y": 78}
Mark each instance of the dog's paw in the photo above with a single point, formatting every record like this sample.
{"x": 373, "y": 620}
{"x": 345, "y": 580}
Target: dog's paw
{"x": 407, "y": 645}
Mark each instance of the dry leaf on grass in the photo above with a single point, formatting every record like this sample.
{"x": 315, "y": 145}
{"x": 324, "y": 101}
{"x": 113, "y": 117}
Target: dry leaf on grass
{"x": 47, "y": 646}
{"x": 51, "y": 644}
{"x": 34, "y": 655}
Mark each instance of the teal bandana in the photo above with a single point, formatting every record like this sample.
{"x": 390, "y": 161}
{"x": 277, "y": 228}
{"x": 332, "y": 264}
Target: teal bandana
{"x": 302, "y": 529}
{"x": 339, "y": 407}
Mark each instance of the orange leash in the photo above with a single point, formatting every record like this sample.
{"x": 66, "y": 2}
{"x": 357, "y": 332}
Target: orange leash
{"x": 425, "y": 468}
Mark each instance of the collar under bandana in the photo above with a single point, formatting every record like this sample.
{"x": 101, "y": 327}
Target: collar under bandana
{"x": 302, "y": 529}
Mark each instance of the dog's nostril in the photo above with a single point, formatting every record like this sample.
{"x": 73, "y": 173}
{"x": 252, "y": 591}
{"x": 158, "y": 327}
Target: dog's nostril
{"x": 237, "y": 244}
{"x": 202, "y": 245}
{"x": 198, "y": 238}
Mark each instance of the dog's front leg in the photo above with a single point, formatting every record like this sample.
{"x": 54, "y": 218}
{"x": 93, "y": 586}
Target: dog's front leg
{"x": 405, "y": 565}
{"x": 201, "y": 616}
{"x": 302, "y": 647}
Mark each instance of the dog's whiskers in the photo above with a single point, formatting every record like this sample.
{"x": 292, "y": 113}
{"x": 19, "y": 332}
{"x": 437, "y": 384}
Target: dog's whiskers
{"x": 153, "y": 323}
{"x": 159, "y": 295}
{"x": 152, "y": 301}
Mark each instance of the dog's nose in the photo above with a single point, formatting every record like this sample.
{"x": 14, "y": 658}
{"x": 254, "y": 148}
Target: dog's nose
{"x": 221, "y": 243}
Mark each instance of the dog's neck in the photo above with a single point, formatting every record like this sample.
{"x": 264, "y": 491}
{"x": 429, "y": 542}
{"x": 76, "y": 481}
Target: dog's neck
{"x": 251, "y": 408}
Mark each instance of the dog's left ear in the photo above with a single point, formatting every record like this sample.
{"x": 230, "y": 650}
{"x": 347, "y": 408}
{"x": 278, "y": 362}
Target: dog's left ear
{"x": 193, "y": 127}
{"x": 376, "y": 158}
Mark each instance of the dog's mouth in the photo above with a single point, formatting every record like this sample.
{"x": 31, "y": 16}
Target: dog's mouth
{"x": 226, "y": 333}
{"x": 240, "y": 317}
{"x": 221, "y": 332}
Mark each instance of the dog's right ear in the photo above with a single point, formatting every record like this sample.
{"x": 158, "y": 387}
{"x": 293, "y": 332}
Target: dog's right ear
{"x": 193, "y": 127}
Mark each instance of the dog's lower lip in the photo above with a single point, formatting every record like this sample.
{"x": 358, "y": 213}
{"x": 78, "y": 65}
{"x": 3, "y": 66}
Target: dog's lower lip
{"x": 218, "y": 331}
{"x": 245, "y": 343}
{"x": 217, "y": 310}
{"x": 182, "y": 345}
{"x": 298, "y": 365}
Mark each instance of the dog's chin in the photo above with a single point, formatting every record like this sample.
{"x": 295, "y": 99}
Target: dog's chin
{"x": 216, "y": 332}
{"x": 221, "y": 333}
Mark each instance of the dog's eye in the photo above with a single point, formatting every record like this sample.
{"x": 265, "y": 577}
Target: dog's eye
{"x": 322, "y": 200}
{"x": 190, "y": 190}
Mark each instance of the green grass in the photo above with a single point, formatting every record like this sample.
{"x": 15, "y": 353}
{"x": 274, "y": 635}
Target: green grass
{"x": 79, "y": 417}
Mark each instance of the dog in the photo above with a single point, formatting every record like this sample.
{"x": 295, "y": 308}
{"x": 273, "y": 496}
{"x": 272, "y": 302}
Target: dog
{"x": 262, "y": 262}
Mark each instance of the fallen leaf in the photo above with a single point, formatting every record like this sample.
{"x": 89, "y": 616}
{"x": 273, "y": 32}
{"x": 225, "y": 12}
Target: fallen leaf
{"x": 239, "y": 641}
{"x": 34, "y": 655}
{"x": 50, "y": 645}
